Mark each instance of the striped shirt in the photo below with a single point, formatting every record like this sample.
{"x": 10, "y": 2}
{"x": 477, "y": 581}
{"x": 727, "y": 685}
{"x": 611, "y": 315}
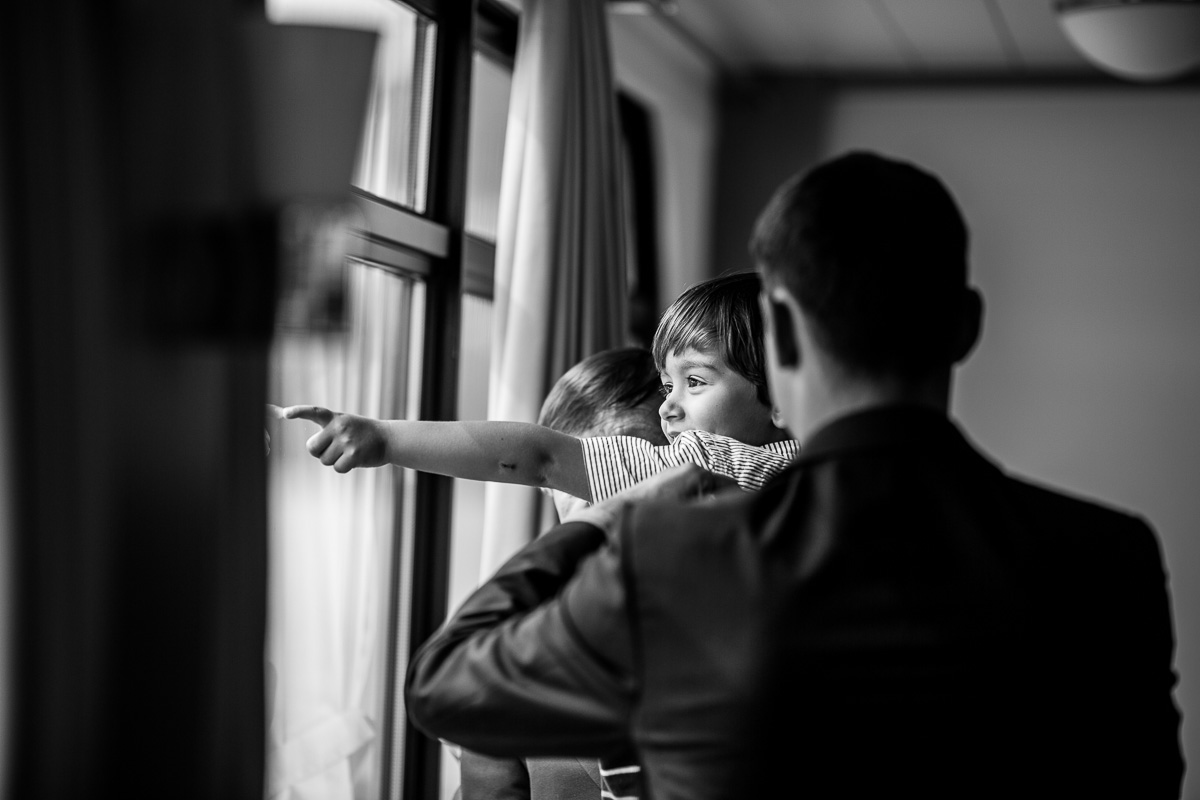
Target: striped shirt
{"x": 618, "y": 462}
{"x": 621, "y": 780}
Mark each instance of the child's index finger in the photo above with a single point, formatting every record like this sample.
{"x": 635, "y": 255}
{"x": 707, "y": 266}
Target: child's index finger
{"x": 317, "y": 414}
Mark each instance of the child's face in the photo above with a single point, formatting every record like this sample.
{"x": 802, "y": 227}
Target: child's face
{"x": 700, "y": 392}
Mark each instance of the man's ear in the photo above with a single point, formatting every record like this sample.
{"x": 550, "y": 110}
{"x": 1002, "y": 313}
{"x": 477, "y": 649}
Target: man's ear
{"x": 783, "y": 333}
{"x": 970, "y": 323}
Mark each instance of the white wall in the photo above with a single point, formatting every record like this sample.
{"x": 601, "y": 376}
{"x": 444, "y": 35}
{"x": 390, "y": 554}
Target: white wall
{"x": 679, "y": 87}
{"x": 1084, "y": 207}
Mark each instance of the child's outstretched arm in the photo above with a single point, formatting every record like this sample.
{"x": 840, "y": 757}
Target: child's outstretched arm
{"x": 506, "y": 452}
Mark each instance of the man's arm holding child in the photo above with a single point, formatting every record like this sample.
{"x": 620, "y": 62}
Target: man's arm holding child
{"x": 505, "y": 452}
{"x": 540, "y": 658}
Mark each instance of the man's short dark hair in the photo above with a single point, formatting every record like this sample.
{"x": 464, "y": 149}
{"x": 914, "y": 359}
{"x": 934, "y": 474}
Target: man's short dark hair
{"x": 721, "y": 316}
{"x": 602, "y": 395}
{"x": 875, "y": 252}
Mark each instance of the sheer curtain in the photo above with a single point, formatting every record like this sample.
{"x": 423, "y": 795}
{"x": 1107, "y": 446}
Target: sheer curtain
{"x": 560, "y": 287}
{"x": 330, "y": 547}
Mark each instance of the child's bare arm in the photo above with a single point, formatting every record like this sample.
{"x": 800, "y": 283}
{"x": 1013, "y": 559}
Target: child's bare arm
{"x": 506, "y": 452}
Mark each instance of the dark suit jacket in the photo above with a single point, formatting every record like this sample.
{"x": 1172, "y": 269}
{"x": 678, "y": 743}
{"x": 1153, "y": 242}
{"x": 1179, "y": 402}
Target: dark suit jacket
{"x": 498, "y": 778}
{"x": 490, "y": 778}
{"x": 894, "y": 616}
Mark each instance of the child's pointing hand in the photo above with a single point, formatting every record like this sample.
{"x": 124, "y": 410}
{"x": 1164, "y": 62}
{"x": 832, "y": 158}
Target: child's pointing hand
{"x": 345, "y": 441}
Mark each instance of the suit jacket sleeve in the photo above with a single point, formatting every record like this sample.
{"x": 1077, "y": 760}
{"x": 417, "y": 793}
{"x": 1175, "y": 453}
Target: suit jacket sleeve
{"x": 536, "y": 661}
{"x": 487, "y": 778}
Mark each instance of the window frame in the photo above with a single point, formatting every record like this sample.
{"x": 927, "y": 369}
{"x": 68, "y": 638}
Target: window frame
{"x": 434, "y": 246}
{"x": 429, "y": 245}
{"x": 467, "y": 266}
{"x": 435, "y": 237}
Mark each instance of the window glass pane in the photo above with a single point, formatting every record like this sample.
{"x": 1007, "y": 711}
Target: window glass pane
{"x": 393, "y": 159}
{"x": 491, "y": 85}
{"x": 474, "y": 358}
{"x": 467, "y": 525}
{"x": 333, "y": 542}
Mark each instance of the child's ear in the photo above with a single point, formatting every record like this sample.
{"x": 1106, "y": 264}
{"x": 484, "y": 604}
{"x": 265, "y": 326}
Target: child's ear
{"x": 783, "y": 331}
{"x": 777, "y": 418}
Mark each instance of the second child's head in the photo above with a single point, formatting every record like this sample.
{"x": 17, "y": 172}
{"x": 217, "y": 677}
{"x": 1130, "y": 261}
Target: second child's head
{"x": 709, "y": 352}
{"x": 610, "y": 393}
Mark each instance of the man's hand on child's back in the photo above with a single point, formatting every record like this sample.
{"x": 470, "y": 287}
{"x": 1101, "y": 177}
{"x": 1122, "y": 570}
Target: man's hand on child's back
{"x": 682, "y": 483}
{"x": 345, "y": 441}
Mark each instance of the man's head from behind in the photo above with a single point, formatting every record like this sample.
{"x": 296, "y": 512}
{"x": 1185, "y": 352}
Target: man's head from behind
{"x": 874, "y": 253}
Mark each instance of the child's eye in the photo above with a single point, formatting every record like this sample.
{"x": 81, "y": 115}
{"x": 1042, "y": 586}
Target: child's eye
{"x": 694, "y": 382}
{"x": 664, "y": 390}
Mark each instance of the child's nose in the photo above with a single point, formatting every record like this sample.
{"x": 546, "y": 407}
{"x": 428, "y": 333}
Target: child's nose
{"x": 669, "y": 408}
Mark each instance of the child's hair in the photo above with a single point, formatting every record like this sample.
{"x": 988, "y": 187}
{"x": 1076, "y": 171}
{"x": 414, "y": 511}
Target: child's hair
{"x": 719, "y": 316}
{"x": 604, "y": 394}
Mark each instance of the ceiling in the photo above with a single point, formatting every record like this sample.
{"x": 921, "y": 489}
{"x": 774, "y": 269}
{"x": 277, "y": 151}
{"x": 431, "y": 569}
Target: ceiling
{"x": 907, "y": 39}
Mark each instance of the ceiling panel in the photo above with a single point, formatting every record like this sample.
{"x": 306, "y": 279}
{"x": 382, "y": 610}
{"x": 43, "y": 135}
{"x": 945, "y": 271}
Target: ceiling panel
{"x": 729, "y": 30}
{"x": 817, "y": 34}
{"x": 906, "y": 38}
{"x": 1041, "y": 40}
{"x": 958, "y": 35}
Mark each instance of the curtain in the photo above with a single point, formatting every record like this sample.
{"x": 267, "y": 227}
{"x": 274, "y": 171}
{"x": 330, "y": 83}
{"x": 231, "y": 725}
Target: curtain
{"x": 330, "y": 543}
{"x": 560, "y": 286}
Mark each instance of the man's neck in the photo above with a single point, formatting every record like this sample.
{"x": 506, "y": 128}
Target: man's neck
{"x": 843, "y": 397}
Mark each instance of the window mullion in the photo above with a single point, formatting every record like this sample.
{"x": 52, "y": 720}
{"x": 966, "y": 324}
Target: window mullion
{"x": 447, "y": 206}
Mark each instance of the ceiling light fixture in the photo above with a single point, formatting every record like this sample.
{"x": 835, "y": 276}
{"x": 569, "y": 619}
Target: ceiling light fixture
{"x": 1138, "y": 40}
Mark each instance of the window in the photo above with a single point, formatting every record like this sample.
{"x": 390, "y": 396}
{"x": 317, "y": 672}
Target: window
{"x": 641, "y": 258}
{"x": 335, "y": 541}
{"x": 353, "y": 556}
{"x": 490, "y": 89}
{"x": 393, "y": 160}
{"x": 366, "y": 563}
{"x": 491, "y": 86}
